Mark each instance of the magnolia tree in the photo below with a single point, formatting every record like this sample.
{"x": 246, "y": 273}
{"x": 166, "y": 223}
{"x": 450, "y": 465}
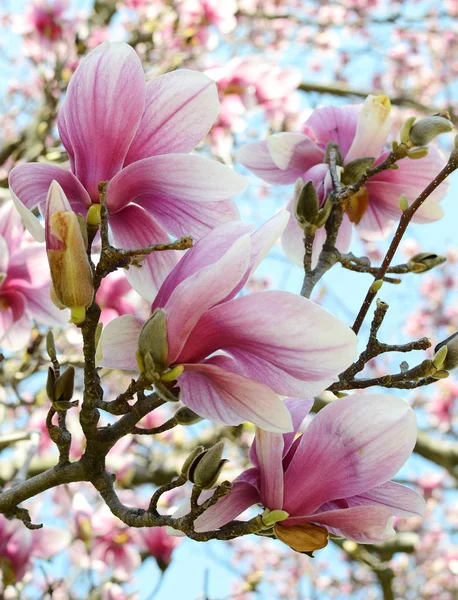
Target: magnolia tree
{"x": 154, "y": 386}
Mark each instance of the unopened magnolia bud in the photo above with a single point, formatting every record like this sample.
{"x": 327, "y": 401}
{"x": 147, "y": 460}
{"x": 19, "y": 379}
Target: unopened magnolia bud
{"x": 355, "y": 169}
{"x": 440, "y": 374}
{"x": 50, "y": 381}
{"x": 424, "y": 261}
{"x": 186, "y": 416}
{"x": 425, "y": 130}
{"x": 50, "y": 345}
{"x": 439, "y": 357}
{"x": 403, "y": 203}
{"x": 94, "y": 215}
{"x": 417, "y": 153}
{"x": 450, "y": 361}
{"x": 377, "y": 284}
{"x": 207, "y": 467}
{"x": 71, "y": 273}
{"x": 185, "y": 469}
{"x": 405, "y": 130}
{"x": 306, "y": 204}
{"x": 153, "y": 340}
{"x": 63, "y": 388}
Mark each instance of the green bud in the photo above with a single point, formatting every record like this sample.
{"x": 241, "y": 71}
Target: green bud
{"x": 82, "y": 224}
{"x": 355, "y": 169}
{"x": 212, "y": 482}
{"x": 450, "y": 361}
{"x": 377, "y": 284}
{"x": 324, "y": 212}
{"x": 62, "y": 405}
{"x": 50, "y": 345}
{"x": 439, "y": 357}
{"x": 63, "y": 388}
{"x": 305, "y": 203}
{"x": 405, "y": 130}
{"x": 207, "y": 466}
{"x": 94, "y": 217}
{"x": 425, "y": 130}
{"x": 186, "y": 416}
{"x": 165, "y": 392}
{"x": 270, "y": 517}
{"x": 418, "y": 153}
{"x": 150, "y": 368}
{"x": 424, "y": 261}
{"x": 440, "y": 374}
{"x": 403, "y": 203}
{"x": 185, "y": 469}
{"x": 153, "y": 341}
{"x": 50, "y": 381}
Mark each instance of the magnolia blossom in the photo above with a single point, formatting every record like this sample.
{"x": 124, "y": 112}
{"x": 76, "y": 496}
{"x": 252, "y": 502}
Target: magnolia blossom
{"x": 360, "y": 132}
{"x": 157, "y": 542}
{"x": 137, "y": 136}
{"x": 24, "y": 283}
{"x": 232, "y": 356}
{"x": 334, "y": 478}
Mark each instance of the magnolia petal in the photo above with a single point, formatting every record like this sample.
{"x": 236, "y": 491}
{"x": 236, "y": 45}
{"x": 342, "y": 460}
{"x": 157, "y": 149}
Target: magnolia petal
{"x": 401, "y": 500}
{"x": 202, "y": 290}
{"x": 229, "y": 398}
{"x": 363, "y": 524}
{"x": 304, "y": 537}
{"x": 204, "y": 253}
{"x": 41, "y": 308}
{"x": 49, "y": 542}
{"x": 134, "y": 228}
{"x": 293, "y": 151}
{"x": 334, "y": 124}
{"x": 4, "y": 258}
{"x": 299, "y": 408}
{"x": 269, "y": 454}
{"x": 196, "y": 219}
{"x": 372, "y": 128}
{"x": 118, "y": 343}
{"x": 175, "y": 178}
{"x": 102, "y": 112}
{"x": 261, "y": 332}
{"x": 180, "y": 109}
{"x": 242, "y": 496}
{"x": 258, "y": 159}
{"x": 292, "y": 241}
{"x": 263, "y": 239}
{"x": 11, "y": 229}
{"x": 352, "y": 445}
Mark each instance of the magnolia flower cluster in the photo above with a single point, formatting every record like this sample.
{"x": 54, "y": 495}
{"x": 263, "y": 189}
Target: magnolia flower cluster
{"x": 230, "y": 357}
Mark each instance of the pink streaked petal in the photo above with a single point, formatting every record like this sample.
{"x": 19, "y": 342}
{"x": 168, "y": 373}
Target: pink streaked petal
{"x": 190, "y": 218}
{"x": 377, "y": 221}
{"x": 204, "y": 253}
{"x": 263, "y": 239}
{"x": 401, "y": 500}
{"x": 292, "y": 241}
{"x": 242, "y": 496}
{"x": 30, "y": 183}
{"x": 229, "y": 398}
{"x": 363, "y": 524}
{"x": 285, "y": 341}
{"x": 351, "y": 446}
{"x": 176, "y": 178}
{"x": 4, "y": 258}
{"x": 257, "y": 158}
{"x": 47, "y": 543}
{"x": 372, "y": 128}
{"x": 269, "y": 454}
{"x": 334, "y": 124}
{"x": 40, "y": 307}
{"x": 14, "y": 334}
{"x": 202, "y": 290}
{"x": 133, "y": 228}
{"x": 291, "y": 151}
{"x": 102, "y": 112}
{"x": 179, "y": 111}
{"x": 29, "y": 267}
{"x": 118, "y": 343}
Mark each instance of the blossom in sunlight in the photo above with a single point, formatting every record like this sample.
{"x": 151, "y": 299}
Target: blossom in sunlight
{"x": 360, "y": 131}
{"x": 46, "y": 18}
{"x": 24, "y": 283}
{"x": 232, "y": 356}
{"x": 138, "y": 136}
{"x": 334, "y": 477}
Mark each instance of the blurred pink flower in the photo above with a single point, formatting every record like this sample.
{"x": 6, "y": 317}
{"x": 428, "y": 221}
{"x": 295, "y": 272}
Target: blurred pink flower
{"x": 138, "y": 136}
{"x": 113, "y": 297}
{"x": 157, "y": 542}
{"x": 360, "y": 131}
{"x": 232, "y": 356}
{"x": 24, "y": 283}
{"x": 336, "y": 474}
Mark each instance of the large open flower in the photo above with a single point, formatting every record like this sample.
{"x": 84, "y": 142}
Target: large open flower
{"x": 334, "y": 478}
{"x": 233, "y": 355}
{"x": 138, "y": 136}
{"x": 360, "y": 132}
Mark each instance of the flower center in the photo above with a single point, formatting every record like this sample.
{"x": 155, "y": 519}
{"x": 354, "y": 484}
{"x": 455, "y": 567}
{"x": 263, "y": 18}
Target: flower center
{"x": 357, "y": 205}
{"x": 3, "y": 304}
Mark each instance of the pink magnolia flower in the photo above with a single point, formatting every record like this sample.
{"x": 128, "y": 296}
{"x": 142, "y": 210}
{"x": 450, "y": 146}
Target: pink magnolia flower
{"x": 24, "y": 283}
{"x": 46, "y": 18}
{"x": 158, "y": 543}
{"x": 19, "y": 545}
{"x": 334, "y": 476}
{"x": 137, "y": 136}
{"x": 360, "y": 131}
{"x": 113, "y": 297}
{"x": 232, "y": 356}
